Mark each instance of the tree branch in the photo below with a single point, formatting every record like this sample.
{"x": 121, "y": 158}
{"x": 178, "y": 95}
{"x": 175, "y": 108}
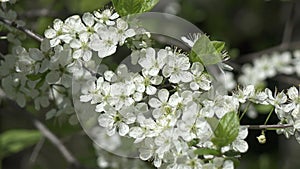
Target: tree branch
{"x": 268, "y": 127}
{"x": 23, "y": 29}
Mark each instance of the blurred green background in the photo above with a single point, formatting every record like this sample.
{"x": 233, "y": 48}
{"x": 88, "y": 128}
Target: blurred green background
{"x": 245, "y": 26}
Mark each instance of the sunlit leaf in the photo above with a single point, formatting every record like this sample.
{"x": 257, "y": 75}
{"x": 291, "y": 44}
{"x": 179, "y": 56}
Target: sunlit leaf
{"x": 206, "y": 51}
{"x": 219, "y": 45}
{"x": 127, "y": 7}
{"x": 13, "y": 141}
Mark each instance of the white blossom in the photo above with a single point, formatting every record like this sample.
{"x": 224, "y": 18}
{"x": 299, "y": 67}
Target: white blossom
{"x": 176, "y": 68}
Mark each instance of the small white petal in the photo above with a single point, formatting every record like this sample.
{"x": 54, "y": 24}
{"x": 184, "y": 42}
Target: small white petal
{"x": 50, "y": 33}
{"x": 123, "y": 129}
{"x": 77, "y": 54}
{"x": 154, "y": 102}
{"x": 194, "y": 86}
{"x": 85, "y": 98}
{"x": 57, "y": 24}
{"x": 88, "y": 19}
{"x": 297, "y": 125}
{"x": 136, "y": 132}
{"x": 293, "y": 93}
{"x": 228, "y": 165}
{"x": 240, "y": 145}
{"x": 75, "y": 43}
{"x": 52, "y": 77}
{"x": 145, "y": 154}
{"x": 87, "y": 55}
{"x": 163, "y": 95}
{"x": 105, "y": 120}
{"x": 150, "y": 90}
{"x": 186, "y": 76}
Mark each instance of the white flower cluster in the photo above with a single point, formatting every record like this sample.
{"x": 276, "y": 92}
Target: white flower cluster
{"x": 167, "y": 108}
{"x": 286, "y": 106}
{"x": 163, "y": 108}
{"x": 268, "y": 66}
{"x": 100, "y": 32}
{"x": 46, "y": 73}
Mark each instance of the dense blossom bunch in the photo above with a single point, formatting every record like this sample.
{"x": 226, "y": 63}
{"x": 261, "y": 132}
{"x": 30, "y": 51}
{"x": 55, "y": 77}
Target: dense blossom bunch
{"x": 170, "y": 108}
{"x": 46, "y": 73}
{"x": 165, "y": 107}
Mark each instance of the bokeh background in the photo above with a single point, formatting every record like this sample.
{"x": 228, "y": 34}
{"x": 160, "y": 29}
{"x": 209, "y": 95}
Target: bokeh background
{"x": 247, "y": 27}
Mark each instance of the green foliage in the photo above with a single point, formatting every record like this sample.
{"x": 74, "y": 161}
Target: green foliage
{"x": 127, "y": 7}
{"x": 13, "y": 141}
{"x": 207, "y": 52}
{"x": 227, "y": 129}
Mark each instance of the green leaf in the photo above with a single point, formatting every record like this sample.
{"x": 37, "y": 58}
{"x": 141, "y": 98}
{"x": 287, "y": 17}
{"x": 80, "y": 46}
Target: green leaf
{"x": 206, "y": 51}
{"x": 207, "y": 151}
{"x": 13, "y": 141}
{"x": 149, "y": 4}
{"x": 127, "y": 7}
{"x": 227, "y": 129}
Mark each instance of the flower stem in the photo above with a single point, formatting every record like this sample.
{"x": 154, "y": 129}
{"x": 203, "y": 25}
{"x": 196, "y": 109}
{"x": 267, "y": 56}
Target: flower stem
{"x": 269, "y": 115}
{"x": 244, "y": 112}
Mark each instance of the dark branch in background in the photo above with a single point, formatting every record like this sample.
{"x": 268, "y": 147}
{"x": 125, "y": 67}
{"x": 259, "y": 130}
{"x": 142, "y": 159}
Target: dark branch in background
{"x": 23, "y": 29}
{"x": 267, "y": 127}
{"x": 289, "y": 25}
{"x": 279, "y": 48}
{"x": 286, "y": 43}
{"x": 1, "y": 56}
{"x": 288, "y": 80}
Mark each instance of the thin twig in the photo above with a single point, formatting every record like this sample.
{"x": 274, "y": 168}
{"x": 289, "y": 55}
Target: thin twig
{"x": 23, "y": 29}
{"x": 36, "y": 150}
{"x": 268, "y": 127}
